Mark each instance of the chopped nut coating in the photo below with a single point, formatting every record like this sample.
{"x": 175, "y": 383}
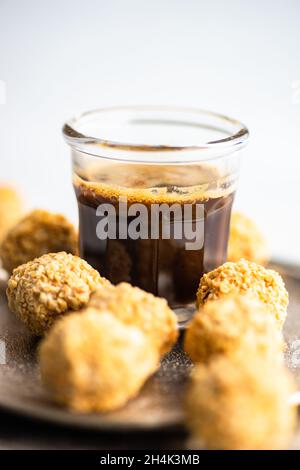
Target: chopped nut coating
{"x": 264, "y": 284}
{"x": 95, "y": 362}
{"x": 240, "y": 405}
{"x": 38, "y": 233}
{"x": 43, "y": 289}
{"x": 134, "y": 306}
{"x": 234, "y": 324}
{"x": 246, "y": 241}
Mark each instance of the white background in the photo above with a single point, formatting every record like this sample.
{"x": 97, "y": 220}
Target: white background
{"x": 238, "y": 57}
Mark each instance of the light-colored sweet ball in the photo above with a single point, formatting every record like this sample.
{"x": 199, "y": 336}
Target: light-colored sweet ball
{"x": 95, "y": 362}
{"x": 38, "y": 233}
{"x": 42, "y": 290}
{"x": 134, "y": 306}
{"x": 266, "y": 285}
{"x": 240, "y": 405}
{"x": 246, "y": 241}
{"x": 234, "y": 324}
{"x": 11, "y": 209}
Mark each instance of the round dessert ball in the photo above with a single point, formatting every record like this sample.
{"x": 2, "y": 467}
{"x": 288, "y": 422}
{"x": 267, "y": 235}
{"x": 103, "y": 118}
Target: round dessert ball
{"x": 232, "y": 325}
{"x": 38, "y": 233}
{"x": 42, "y": 290}
{"x": 94, "y": 362}
{"x": 244, "y": 276}
{"x": 240, "y": 405}
{"x": 133, "y": 306}
{"x": 11, "y": 209}
{"x": 246, "y": 241}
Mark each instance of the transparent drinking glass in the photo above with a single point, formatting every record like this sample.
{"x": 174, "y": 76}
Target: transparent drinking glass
{"x": 155, "y": 187}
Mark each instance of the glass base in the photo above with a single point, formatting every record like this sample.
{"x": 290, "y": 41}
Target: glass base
{"x": 184, "y": 315}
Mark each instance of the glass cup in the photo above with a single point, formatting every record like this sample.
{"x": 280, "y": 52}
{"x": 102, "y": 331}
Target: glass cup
{"x": 155, "y": 187}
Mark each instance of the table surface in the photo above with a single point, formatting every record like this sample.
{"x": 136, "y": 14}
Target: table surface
{"x": 19, "y": 433}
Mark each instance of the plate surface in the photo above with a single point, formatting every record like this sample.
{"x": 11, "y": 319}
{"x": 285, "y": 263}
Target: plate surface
{"x": 159, "y": 404}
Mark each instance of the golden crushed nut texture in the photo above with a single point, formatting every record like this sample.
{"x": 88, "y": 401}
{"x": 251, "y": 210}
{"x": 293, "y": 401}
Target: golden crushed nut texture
{"x": 237, "y": 405}
{"x": 38, "y": 233}
{"x": 11, "y": 209}
{"x": 134, "y": 306}
{"x": 101, "y": 363}
{"x": 234, "y": 324}
{"x": 244, "y": 276}
{"x": 43, "y": 289}
{"x": 246, "y": 241}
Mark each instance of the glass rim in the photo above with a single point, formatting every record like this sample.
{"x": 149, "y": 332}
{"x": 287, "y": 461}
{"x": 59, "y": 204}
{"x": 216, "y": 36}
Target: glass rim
{"x": 210, "y": 150}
